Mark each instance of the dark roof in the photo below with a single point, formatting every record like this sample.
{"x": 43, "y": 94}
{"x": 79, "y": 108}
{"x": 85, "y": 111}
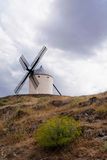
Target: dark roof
{"x": 41, "y": 71}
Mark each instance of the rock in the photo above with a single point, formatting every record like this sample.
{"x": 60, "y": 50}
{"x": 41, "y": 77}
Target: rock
{"x": 104, "y": 138}
{"x": 38, "y": 106}
{"x": 88, "y": 115}
{"x": 59, "y": 103}
{"x": 93, "y": 100}
{"x": 89, "y": 111}
{"x": 101, "y": 115}
{"x": 102, "y": 133}
{"x": 2, "y": 133}
{"x": 31, "y": 128}
{"x": 67, "y": 113}
{"x": 102, "y": 101}
{"x": 83, "y": 104}
{"x": 88, "y": 132}
{"x": 89, "y": 102}
{"x": 6, "y": 110}
{"x": 20, "y": 114}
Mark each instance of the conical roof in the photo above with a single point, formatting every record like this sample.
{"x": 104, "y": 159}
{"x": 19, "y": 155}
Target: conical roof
{"x": 41, "y": 71}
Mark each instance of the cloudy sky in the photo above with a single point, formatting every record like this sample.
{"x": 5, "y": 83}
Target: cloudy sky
{"x": 75, "y": 33}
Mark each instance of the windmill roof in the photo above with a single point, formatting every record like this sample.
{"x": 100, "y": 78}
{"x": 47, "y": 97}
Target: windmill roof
{"x": 41, "y": 71}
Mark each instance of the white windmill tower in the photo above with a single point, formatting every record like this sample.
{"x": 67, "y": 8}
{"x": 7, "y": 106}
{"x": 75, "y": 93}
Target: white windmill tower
{"x": 45, "y": 82}
{"x": 40, "y": 82}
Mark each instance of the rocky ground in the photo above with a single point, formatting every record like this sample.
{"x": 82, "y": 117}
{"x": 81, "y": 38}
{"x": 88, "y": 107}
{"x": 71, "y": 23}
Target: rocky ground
{"x": 21, "y": 115}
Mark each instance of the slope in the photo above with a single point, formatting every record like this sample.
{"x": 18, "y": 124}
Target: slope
{"x": 21, "y": 115}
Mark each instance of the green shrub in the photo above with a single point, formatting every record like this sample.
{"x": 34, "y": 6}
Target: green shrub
{"x": 57, "y": 131}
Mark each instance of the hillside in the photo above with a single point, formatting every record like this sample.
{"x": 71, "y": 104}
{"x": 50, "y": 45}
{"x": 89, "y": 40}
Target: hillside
{"x": 21, "y": 115}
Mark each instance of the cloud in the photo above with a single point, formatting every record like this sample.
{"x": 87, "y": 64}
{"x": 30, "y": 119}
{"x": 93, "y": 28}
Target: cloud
{"x": 19, "y": 23}
{"x": 78, "y": 76}
{"x": 75, "y": 33}
{"x": 78, "y": 27}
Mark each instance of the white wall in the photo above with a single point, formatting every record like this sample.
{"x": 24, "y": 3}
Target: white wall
{"x": 45, "y": 85}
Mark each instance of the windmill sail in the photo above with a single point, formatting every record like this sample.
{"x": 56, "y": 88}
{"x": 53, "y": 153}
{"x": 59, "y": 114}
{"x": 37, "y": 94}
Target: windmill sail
{"x": 34, "y": 80}
{"x": 20, "y": 85}
{"x": 47, "y": 86}
{"x": 39, "y": 56}
{"x": 25, "y": 66}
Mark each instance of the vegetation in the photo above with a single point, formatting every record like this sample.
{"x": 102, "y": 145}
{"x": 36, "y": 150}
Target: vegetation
{"x": 102, "y": 109}
{"x": 2, "y": 102}
{"x": 105, "y": 146}
{"x": 1, "y": 127}
{"x": 57, "y": 131}
{"x": 23, "y": 117}
{"x": 16, "y": 137}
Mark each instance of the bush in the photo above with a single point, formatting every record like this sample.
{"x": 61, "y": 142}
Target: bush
{"x": 57, "y": 131}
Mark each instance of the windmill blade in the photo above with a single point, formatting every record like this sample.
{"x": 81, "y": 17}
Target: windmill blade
{"x": 57, "y": 89}
{"x": 34, "y": 81}
{"x": 20, "y": 85}
{"x": 39, "y": 56}
{"x": 24, "y": 63}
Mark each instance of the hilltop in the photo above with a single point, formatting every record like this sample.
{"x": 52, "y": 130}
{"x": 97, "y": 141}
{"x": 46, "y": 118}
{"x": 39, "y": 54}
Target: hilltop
{"x": 21, "y": 115}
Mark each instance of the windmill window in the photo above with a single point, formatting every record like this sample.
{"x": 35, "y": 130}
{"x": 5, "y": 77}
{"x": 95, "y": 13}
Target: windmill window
{"x": 38, "y": 76}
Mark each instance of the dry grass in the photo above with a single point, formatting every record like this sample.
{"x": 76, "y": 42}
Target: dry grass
{"x": 18, "y": 126}
{"x": 104, "y": 148}
{"x": 102, "y": 109}
{"x": 1, "y": 127}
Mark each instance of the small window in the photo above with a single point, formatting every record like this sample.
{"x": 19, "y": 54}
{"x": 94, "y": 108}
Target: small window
{"x": 38, "y": 76}
{"x": 47, "y": 77}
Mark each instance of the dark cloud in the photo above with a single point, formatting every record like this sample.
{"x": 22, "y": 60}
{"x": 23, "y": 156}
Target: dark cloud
{"x": 76, "y": 26}
{"x": 6, "y": 82}
{"x": 9, "y": 79}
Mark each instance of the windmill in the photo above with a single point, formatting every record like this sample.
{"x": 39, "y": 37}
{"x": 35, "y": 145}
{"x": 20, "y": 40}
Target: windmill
{"x": 40, "y": 82}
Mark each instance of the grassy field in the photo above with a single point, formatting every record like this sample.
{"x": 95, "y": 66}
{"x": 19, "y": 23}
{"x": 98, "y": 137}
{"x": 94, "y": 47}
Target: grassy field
{"x": 21, "y": 115}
